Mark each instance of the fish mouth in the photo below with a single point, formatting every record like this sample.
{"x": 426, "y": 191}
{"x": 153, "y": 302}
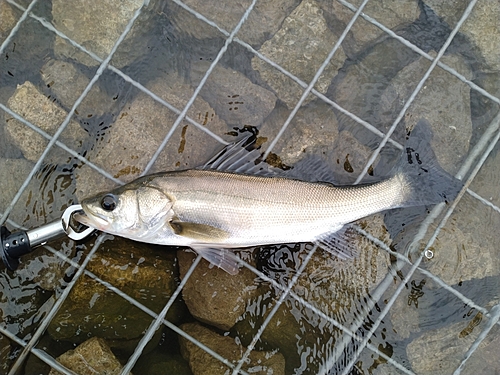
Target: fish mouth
{"x": 94, "y": 220}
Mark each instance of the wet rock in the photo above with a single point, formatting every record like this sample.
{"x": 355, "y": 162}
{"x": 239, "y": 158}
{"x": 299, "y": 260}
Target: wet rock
{"x": 312, "y": 131}
{"x": 8, "y": 19}
{"x": 236, "y": 99}
{"x": 17, "y": 170}
{"x": 162, "y": 363}
{"x": 145, "y": 274}
{"x": 440, "y": 351}
{"x": 128, "y": 145}
{"x": 4, "y": 354}
{"x": 90, "y": 358}
{"x": 393, "y": 13}
{"x": 67, "y": 83}
{"x": 360, "y": 84}
{"x": 33, "y": 106}
{"x": 264, "y": 20}
{"x": 300, "y": 46}
{"x": 488, "y": 179}
{"x": 466, "y": 248}
{"x": 328, "y": 278}
{"x": 443, "y": 101}
{"x": 212, "y": 295}
{"x": 203, "y": 363}
{"x": 104, "y": 23}
{"x": 481, "y": 27}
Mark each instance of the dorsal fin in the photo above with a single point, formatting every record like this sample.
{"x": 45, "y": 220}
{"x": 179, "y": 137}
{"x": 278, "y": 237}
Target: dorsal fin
{"x": 243, "y": 157}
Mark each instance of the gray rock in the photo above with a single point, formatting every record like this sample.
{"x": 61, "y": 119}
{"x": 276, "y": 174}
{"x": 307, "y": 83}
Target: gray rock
{"x": 92, "y": 309}
{"x": 312, "y": 131}
{"x": 8, "y": 18}
{"x": 97, "y": 27}
{"x": 156, "y": 363}
{"x": 212, "y": 295}
{"x": 130, "y": 142}
{"x": 443, "y": 101}
{"x": 392, "y": 14}
{"x": 466, "y": 248}
{"x": 17, "y": 170}
{"x": 487, "y": 181}
{"x": 264, "y": 20}
{"x": 90, "y": 358}
{"x": 67, "y": 83}
{"x": 481, "y": 27}
{"x": 35, "y": 107}
{"x": 440, "y": 351}
{"x": 4, "y": 354}
{"x": 201, "y": 362}
{"x": 300, "y": 46}
{"x": 236, "y": 99}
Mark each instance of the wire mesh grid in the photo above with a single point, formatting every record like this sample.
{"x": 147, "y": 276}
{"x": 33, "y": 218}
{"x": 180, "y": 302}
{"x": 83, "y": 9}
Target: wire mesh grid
{"x": 468, "y": 171}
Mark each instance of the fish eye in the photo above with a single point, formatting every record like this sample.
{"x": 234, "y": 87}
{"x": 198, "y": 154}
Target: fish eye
{"x": 108, "y": 202}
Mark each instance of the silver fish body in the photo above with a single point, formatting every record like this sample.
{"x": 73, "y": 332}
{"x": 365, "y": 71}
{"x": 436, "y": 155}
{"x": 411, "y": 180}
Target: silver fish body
{"x": 209, "y": 210}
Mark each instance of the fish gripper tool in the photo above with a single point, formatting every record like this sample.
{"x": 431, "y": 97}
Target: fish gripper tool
{"x": 22, "y": 242}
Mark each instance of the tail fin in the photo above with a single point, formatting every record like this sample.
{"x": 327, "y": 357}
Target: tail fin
{"x": 425, "y": 181}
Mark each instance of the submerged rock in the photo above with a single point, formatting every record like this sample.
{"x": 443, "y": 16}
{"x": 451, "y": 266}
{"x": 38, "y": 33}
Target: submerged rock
{"x": 300, "y": 46}
{"x": 136, "y": 269}
{"x": 35, "y": 107}
{"x": 126, "y": 147}
{"x": 67, "y": 83}
{"x": 212, "y": 295}
{"x": 104, "y": 23}
{"x": 92, "y": 357}
{"x": 261, "y": 363}
{"x": 481, "y": 26}
{"x": 392, "y": 14}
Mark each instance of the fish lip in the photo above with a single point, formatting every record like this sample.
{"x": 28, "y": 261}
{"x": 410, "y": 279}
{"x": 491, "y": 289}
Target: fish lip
{"x": 92, "y": 219}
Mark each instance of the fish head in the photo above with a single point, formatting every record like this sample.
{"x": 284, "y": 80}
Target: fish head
{"x": 129, "y": 211}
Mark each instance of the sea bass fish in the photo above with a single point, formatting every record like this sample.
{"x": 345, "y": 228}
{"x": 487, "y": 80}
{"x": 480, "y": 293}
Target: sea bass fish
{"x": 236, "y": 201}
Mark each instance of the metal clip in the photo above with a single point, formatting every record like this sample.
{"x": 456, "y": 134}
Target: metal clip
{"x": 66, "y": 223}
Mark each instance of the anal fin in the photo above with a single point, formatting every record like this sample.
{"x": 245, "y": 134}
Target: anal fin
{"x": 222, "y": 258}
{"x": 339, "y": 242}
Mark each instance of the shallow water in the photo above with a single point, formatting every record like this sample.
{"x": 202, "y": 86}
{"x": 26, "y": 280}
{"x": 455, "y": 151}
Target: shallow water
{"x": 438, "y": 310}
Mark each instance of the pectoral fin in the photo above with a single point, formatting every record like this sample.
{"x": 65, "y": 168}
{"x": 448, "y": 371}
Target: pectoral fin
{"x": 222, "y": 258}
{"x": 199, "y": 232}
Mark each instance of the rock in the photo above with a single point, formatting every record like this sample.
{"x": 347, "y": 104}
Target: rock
{"x": 264, "y": 20}
{"x": 212, "y": 295}
{"x": 4, "y": 354}
{"x": 236, "y": 99}
{"x": 8, "y": 18}
{"x": 129, "y": 144}
{"x": 104, "y": 23}
{"x": 17, "y": 170}
{"x": 465, "y": 248}
{"x": 481, "y": 26}
{"x": 312, "y": 131}
{"x": 147, "y": 274}
{"x": 67, "y": 83}
{"x": 443, "y": 101}
{"x": 360, "y": 84}
{"x": 393, "y": 14}
{"x": 203, "y": 363}
{"x": 487, "y": 180}
{"x": 300, "y": 46}
{"x": 162, "y": 363}
{"x": 90, "y": 358}
{"x": 440, "y": 351}
{"x": 33, "y": 106}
